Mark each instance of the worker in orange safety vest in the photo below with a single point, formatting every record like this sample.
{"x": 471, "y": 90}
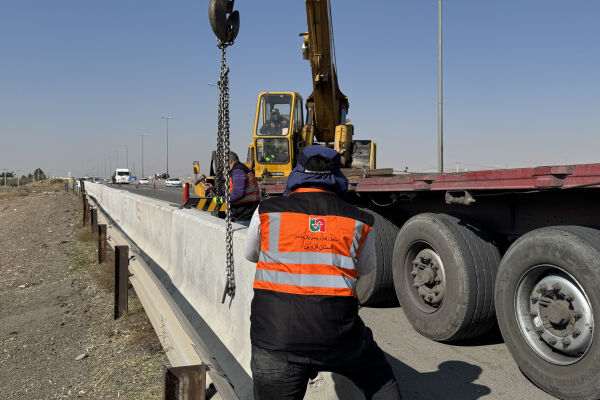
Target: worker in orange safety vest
{"x": 310, "y": 247}
{"x": 244, "y": 193}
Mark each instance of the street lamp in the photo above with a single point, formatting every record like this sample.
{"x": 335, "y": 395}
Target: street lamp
{"x": 142, "y": 136}
{"x": 167, "y": 118}
{"x": 440, "y": 103}
{"x": 126, "y": 156}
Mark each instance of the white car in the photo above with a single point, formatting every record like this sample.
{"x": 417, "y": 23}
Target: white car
{"x": 144, "y": 181}
{"x": 173, "y": 182}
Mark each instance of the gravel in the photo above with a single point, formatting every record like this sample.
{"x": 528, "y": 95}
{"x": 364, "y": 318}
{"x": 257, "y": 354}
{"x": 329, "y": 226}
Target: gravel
{"x": 58, "y": 338}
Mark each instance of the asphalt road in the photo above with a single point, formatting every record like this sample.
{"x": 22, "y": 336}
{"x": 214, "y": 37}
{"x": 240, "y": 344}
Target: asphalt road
{"x": 474, "y": 369}
{"x": 171, "y": 194}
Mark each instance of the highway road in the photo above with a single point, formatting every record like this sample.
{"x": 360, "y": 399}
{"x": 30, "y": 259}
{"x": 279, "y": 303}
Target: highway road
{"x": 473, "y": 369}
{"x": 171, "y": 194}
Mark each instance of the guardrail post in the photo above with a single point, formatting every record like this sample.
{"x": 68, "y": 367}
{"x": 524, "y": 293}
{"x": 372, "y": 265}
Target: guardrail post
{"x": 187, "y": 382}
{"x": 85, "y": 210}
{"x": 186, "y": 192}
{"x": 82, "y": 187}
{"x": 121, "y": 274}
{"x": 101, "y": 243}
{"x": 94, "y": 220}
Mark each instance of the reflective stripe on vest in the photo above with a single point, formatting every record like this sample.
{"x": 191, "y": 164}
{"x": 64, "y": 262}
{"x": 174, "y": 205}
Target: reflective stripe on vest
{"x": 315, "y": 254}
{"x": 252, "y": 192}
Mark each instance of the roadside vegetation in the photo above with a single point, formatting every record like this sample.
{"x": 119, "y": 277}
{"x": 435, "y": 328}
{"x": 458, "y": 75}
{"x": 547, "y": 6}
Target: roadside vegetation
{"x": 57, "y": 332}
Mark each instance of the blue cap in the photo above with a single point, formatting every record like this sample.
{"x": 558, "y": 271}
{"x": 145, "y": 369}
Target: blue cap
{"x": 318, "y": 166}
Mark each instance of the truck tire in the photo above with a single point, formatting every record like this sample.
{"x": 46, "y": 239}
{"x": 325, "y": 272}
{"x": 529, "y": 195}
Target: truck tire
{"x": 377, "y": 287}
{"x": 547, "y": 303}
{"x": 444, "y": 273}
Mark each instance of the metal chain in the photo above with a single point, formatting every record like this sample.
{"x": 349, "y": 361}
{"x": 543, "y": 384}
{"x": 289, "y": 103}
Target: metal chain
{"x": 222, "y": 169}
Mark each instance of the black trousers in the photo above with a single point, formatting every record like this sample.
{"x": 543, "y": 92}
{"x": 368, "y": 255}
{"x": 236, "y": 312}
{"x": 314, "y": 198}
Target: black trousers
{"x": 284, "y": 375}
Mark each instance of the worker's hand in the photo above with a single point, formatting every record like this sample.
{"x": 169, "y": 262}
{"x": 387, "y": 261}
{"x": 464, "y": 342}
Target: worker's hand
{"x": 208, "y": 186}
{"x": 272, "y": 124}
{"x": 284, "y": 122}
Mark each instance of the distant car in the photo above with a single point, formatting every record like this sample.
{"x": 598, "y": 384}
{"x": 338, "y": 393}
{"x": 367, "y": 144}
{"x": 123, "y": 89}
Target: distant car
{"x": 144, "y": 181}
{"x": 173, "y": 182}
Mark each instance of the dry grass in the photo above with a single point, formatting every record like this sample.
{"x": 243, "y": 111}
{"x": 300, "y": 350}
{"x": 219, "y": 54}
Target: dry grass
{"x": 82, "y": 254}
{"x": 131, "y": 333}
{"x": 51, "y": 184}
{"x": 9, "y": 193}
{"x": 125, "y": 358}
{"x": 103, "y": 273}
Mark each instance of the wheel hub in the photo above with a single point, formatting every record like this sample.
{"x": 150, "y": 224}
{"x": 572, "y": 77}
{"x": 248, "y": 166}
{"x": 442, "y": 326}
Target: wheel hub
{"x": 557, "y": 314}
{"x": 561, "y": 315}
{"x": 428, "y": 277}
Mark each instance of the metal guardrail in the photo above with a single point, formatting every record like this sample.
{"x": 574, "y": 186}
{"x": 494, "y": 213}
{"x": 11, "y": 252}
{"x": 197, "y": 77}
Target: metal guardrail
{"x": 182, "y": 343}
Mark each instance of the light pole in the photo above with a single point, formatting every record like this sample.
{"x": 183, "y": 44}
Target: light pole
{"x": 167, "y": 118}
{"x": 142, "y": 136}
{"x": 440, "y": 103}
{"x": 117, "y": 166}
{"x": 126, "y": 156}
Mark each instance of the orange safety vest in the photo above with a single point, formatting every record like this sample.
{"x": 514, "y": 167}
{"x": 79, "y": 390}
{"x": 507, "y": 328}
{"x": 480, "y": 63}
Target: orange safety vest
{"x": 309, "y": 254}
{"x": 252, "y": 192}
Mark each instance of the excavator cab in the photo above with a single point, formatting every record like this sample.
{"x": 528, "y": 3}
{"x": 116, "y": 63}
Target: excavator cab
{"x": 277, "y": 130}
{"x": 280, "y": 134}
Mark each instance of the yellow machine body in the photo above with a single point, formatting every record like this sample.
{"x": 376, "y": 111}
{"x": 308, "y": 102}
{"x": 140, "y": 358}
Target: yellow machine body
{"x": 274, "y": 150}
{"x": 275, "y": 144}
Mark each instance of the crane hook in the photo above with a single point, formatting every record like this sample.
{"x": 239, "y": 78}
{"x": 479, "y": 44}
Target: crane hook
{"x": 224, "y": 26}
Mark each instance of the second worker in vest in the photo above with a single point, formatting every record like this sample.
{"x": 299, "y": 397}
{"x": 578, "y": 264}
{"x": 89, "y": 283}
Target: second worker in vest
{"x": 310, "y": 247}
{"x": 243, "y": 188}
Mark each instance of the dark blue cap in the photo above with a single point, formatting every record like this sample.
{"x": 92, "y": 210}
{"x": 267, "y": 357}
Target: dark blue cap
{"x": 318, "y": 166}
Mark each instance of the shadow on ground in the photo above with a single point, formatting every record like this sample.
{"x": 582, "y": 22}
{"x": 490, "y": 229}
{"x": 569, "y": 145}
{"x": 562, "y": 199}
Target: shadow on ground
{"x": 453, "y": 380}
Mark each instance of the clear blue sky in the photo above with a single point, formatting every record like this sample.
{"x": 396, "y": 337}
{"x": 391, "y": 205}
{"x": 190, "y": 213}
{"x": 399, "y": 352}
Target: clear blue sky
{"x": 80, "y": 79}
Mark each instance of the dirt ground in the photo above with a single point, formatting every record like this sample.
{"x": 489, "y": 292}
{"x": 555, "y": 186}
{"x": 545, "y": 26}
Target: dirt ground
{"x": 58, "y": 338}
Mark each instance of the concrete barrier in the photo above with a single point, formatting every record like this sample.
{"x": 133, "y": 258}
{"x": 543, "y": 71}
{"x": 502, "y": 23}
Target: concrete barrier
{"x": 189, "y": 246}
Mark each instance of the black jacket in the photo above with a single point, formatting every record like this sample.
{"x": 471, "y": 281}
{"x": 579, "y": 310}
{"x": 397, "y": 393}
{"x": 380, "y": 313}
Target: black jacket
{"x": 294, "y": 322}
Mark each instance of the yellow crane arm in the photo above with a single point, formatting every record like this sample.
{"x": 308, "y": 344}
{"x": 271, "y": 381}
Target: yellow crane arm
{"x": 327, "y": 105}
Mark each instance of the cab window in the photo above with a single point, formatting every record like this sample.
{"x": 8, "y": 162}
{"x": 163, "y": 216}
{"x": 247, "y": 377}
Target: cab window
{"x": 274, "y": 114}
{"x": 272, "y": 151}
{"x": 298, "y": 117}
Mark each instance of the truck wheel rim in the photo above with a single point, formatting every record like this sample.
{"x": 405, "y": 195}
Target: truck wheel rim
{"x": 425, "y": 277}
{"x": 554, "y": 314}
